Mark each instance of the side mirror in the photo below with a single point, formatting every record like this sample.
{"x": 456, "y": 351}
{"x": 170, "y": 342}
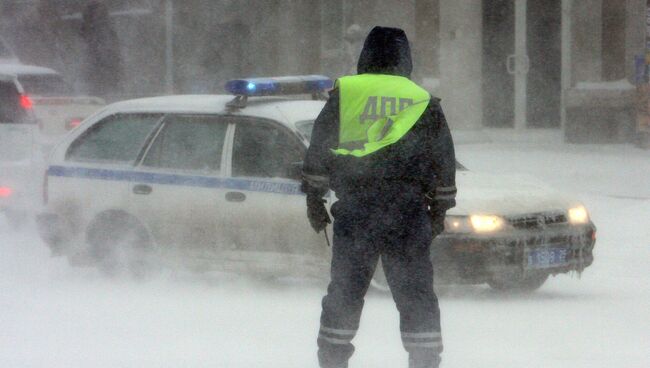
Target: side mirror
{"x": 295, "y": 170}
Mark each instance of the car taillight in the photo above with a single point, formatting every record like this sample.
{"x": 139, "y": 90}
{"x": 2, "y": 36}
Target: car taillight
{"x": 5, "y": 192}
{"x": 73, "y": 123}
{"x": 45, "y": 194}
{"x": 26, "y": 102}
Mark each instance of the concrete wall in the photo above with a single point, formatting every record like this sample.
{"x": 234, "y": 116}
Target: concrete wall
{"x": 460, "y": 62}
{"x": 388, "y": 13}
{"x": 587, "y": 48}
{"x": 299, "y": 41}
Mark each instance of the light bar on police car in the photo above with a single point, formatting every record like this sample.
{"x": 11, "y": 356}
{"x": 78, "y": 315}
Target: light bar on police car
{"x": 276, "y": 86}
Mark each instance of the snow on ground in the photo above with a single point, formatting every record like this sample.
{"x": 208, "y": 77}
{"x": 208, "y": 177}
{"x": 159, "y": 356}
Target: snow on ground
{"x": 53, "y": 315}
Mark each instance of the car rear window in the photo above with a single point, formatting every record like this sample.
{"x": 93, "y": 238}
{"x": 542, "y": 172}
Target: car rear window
{"x": 189, "y": 143}
{"x": 45, "y": 85}
{"x": 115, "y": 139}
{"x": 10, "y": 110}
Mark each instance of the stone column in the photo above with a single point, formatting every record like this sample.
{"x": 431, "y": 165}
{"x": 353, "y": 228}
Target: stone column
{"x": 460, "y": 62}
{"x": 587, "y": 41}
{"x": 426, "y": 40}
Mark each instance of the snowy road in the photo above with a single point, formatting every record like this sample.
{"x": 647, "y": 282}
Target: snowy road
{"x": 55, "y": 316}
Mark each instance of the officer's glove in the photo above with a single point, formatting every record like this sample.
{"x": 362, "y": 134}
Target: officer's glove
{"x": 317, "y": 213}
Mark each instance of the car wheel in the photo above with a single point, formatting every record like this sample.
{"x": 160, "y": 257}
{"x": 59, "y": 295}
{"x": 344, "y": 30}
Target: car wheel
{"x": 518, "y": 282}
{"x": 118, "y": 244}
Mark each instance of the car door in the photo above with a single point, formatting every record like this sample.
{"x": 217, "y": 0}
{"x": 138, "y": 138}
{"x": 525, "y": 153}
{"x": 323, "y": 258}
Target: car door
{"x": 267, "y": 212}
{"x": 179, "y": 189}
{"x": 98, "y": 166}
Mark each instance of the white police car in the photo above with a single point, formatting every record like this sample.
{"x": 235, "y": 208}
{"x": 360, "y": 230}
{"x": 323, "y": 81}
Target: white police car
{"x": 213, "y": 181}
{"x": 209, "y": 180}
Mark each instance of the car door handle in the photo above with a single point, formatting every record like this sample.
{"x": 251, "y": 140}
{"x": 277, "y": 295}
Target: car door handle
{"x": 235, "y": 197}
{"x": 142, "y": 189}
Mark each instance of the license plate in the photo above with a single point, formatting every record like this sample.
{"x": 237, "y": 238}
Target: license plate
{"x": 547, "y": 258}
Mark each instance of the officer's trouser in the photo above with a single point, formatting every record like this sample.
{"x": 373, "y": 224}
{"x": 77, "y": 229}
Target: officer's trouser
{"x": 401, "y": 236}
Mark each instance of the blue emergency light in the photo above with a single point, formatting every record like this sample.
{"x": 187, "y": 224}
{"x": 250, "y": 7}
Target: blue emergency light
{"x": 277, "y": 86}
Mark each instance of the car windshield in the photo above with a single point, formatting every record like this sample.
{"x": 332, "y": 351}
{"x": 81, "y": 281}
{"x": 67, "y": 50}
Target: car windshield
{"x": 10, "y": 110}
{"x": 45, "y": 85}
{"x": 305, "y": 127}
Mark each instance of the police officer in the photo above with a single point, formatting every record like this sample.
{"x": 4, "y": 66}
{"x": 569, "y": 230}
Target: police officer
{"x": 383, "y": 145}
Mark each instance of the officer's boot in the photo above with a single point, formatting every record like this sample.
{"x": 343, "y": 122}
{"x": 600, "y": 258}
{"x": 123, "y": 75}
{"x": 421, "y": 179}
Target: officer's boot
{"x": 417, "y": 360}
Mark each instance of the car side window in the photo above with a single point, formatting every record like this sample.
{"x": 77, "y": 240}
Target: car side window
{"x": 264, "y": 150}
{"x": 116, "y": 139}
{"x": 189, "y": 143}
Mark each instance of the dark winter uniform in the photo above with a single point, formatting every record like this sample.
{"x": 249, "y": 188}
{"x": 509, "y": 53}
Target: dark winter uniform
{"x": 391, "y": 203}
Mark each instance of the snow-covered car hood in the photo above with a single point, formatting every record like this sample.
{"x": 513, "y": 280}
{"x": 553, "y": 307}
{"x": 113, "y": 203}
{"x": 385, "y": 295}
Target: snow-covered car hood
{"x": 480, "y": 193}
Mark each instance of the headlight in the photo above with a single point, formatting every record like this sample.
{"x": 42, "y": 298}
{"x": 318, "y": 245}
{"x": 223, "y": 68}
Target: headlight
{"x": 457, "y": 224}
{"x": 578, "y": 215}
{"x": 474, "y": 223}
{"x": 486, "y": 223}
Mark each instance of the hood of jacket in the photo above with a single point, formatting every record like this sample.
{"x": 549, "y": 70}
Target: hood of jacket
{"x": 386, "y": 51}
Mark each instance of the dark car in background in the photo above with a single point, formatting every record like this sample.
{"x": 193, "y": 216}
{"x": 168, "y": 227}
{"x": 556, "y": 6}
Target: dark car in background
{"x": 56, "y": 105}
{"x": 19, "y": 150}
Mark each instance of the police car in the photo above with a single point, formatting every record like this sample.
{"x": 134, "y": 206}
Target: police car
{"x": 209, "y": 180}
{"x": 512, "y": 232}
{"x": 213, "y": 182}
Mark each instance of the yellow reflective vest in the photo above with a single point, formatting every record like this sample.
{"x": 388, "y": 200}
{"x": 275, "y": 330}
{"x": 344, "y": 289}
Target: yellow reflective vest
{"x": 376, "y": 110}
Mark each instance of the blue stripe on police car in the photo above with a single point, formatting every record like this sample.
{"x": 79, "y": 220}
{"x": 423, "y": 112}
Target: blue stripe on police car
{"x": 289, "y": 188}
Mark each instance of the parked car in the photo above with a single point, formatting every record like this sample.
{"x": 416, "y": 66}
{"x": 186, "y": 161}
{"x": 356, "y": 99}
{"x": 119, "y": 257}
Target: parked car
{"x": 512, "y": 232}
{"x": 18, "y": 150}
{"x": 213, "y": 181}
{"x": 55, "y": 104}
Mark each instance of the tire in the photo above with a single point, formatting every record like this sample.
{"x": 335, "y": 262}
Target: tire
{"x": 518, "y": 281}
{"x": 118, "y": 243}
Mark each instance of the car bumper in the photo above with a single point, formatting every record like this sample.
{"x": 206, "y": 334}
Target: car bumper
{"x": 471, "y": 258}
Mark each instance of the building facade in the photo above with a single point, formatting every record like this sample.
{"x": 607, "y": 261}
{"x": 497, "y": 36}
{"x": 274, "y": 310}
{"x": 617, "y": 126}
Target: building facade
{"x": 495, "y": 63}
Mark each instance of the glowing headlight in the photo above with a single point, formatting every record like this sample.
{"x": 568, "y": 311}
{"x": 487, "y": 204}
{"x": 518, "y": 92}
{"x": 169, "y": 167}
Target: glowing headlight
{"x": 457, "y": 224}
{"x": 578, "y": 215}
{"x": 486, "y": 223}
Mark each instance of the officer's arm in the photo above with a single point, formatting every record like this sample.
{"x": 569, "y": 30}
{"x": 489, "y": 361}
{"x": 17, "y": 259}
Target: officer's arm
{"x": 443, "y": 195}
{"x": 324, "y": 136}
